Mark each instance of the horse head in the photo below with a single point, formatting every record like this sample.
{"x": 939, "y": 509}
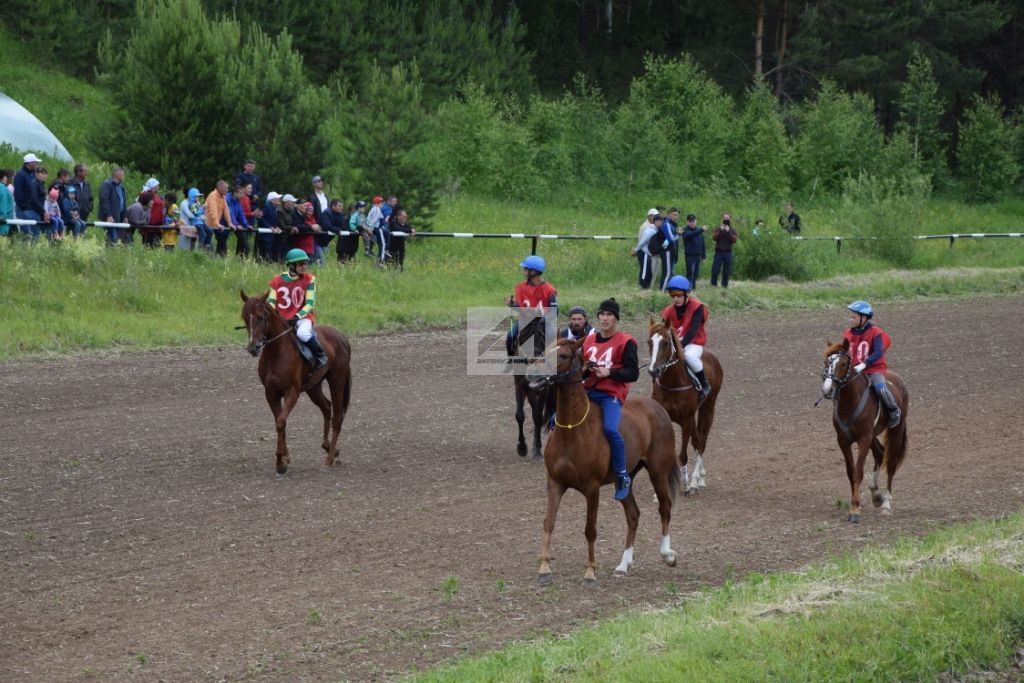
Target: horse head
{"x": 258, "y": 317}
{"x": 661, "y": 343}
{"x": 569, "y": 365}
{"x": 838, "y": 367}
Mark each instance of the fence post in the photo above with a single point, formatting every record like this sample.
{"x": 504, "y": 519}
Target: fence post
{"x": 533, "y": 248}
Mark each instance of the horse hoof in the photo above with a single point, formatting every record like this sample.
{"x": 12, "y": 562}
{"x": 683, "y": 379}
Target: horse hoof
{"x": 670, "y": 559}
{"x": 853, "y": 519}
{"x": 886, "y": 512}
{"x": 281, "y": 471}
{"x": 619, "y": 574}
{"x": 545, "y": 579}
{"x": 538, "y": 457}
{"x": 589, "y": 583}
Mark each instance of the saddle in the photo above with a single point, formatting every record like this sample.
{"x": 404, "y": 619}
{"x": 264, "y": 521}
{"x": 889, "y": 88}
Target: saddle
{"x": 693, "y": 378}
{"x": 304, "y": 351}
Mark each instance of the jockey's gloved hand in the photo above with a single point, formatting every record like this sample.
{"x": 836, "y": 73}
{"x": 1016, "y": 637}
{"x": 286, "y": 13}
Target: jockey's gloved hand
{"x": 859, "y": 368}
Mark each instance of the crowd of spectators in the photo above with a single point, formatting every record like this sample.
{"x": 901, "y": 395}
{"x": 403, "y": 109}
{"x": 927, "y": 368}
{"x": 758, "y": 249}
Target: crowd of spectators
{"x": 278, "y": 222}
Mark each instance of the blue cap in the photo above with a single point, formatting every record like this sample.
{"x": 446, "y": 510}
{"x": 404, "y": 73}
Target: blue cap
{"x": 533, "y": 263}
{"x": 678, "y": 282}
{"x": 193, "y": 193}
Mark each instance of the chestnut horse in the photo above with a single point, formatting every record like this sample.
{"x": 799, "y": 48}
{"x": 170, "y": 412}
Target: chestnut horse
{"x": 285, "y": 374}
{"x": 673, "y": 389}
{"x": 541, "y": 399}
{"x": 577, "y": 456}
{"x": 859, "y": 418}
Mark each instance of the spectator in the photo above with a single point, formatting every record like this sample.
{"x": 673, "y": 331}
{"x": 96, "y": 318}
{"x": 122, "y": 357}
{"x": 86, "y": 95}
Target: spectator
{"x": 28, "y": 205}
{"x": 172, "y": 222}
{"x": 307, "y": 228}
{"x": 6, "y": 200}
{"x": 41, "y": 192}
{"x": 113, "y": 206}
{"x": 265, "y": 250}
{"x": 335, "y": 221}
{"x": 239, "y": 222}
{"x": 669, "y": 236}
{"x": 317, "y": 197}
{"x": 248, "y": 175}
{"x": 137, "y": 215}
{"x": 377, "y": 222}
{"x": 357, "y": 224}
{"x": 192, "y": 222}
{"x": 70, "y": 212}
{"x": 252, "y": 213}
{"x": 579, "y": 326}
{"x": 649, "y": 229}
{"x": 723, "y": 237}
{"x": 83, "y": 191}
{"x": 694, "y": 250}
{"x": 288, "y": 219}
{"x": 217, "y": 217}
{"x": 63, "y": 178}
{"x": 397, "y": 248}
{"x": 388, "y": 209}
{"x": 790, "y": 220}
{"x": 52, "y": 208}
{"x": 151, "y": 236}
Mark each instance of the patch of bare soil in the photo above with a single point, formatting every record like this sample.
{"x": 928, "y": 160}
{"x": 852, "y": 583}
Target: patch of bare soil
{"x": 144, "y": 534}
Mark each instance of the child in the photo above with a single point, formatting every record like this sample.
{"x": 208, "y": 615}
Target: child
{"x": 69, "y": 211}
{"x": 192, "y": 218}
{"x": 168, "y": 237}
{"x": 532, "y": 297}
{"x": 51, "y": 208}
{"x": 688, "y": 316}
{"x": 868, "y": 344}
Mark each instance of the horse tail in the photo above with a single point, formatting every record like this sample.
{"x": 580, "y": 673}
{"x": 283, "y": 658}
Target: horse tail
{"x": 896, "y": 448}
{"x": 347, "y": 394}
{"x": 675, "y": 480}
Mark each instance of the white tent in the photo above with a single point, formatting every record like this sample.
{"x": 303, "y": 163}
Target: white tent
{"x": 23, "y": 131}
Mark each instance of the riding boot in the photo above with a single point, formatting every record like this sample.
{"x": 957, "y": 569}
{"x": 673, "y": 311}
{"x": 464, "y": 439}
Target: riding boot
{"x": 890, "y": 404}
{"x": 704, "y": 389}
{"x": 320, "y": 355}
{"x": 622, "y": 479}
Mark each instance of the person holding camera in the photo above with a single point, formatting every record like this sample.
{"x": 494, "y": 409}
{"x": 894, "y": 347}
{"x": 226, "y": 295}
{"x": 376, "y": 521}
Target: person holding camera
{"x": 693, "y": 248}
{"x": 724, "y": 237}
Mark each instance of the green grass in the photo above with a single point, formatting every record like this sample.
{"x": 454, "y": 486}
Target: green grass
{"x": 950, "y": 604}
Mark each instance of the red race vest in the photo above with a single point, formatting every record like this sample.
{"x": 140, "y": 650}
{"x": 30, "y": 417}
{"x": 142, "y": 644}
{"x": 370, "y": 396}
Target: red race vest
{"x": 534, "y": 296}
{"x": 606, "y": 354}
{"x": 681, "y": 325}
{"x": 860, "y": 347}
{"x": 290, "y": 295}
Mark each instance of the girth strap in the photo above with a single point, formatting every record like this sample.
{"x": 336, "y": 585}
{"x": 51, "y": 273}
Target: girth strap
{"x": 845, "y": 424}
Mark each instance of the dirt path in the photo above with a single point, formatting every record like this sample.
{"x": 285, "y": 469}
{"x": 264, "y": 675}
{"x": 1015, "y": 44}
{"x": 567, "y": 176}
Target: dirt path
{"x": 145, "y": 536}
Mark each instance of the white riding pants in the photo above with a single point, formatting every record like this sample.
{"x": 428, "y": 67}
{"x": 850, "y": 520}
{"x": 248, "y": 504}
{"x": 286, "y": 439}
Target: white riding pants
{"x": 304, "y": 330}
{"x": 692, "y": 354}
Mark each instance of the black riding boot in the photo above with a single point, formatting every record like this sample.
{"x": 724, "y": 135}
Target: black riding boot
{"x": 890, "y": 404}
{"x": 320, "y": 355}
{"x": 705, "y": 388}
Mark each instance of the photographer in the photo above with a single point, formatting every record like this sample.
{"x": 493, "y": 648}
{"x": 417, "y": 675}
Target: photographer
{"x": 724, "y": 237}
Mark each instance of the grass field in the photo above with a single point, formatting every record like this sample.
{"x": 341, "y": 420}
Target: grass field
{"x": 951, "y": 604}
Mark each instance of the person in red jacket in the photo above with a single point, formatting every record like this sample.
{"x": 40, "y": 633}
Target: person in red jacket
{"x": 868, "y": 344}
{"x": 611, "y": 359}
{"x": 294, "y": 295}
{"x": 687, "y": 316}
{"x": 532, "y": 297}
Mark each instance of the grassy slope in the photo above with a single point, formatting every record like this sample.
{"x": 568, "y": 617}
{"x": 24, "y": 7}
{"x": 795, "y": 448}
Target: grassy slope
{"x": 952, "y": 603}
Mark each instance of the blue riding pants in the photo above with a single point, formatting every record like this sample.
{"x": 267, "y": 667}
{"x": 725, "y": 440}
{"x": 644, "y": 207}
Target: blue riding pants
{"x": 611, "y": 411}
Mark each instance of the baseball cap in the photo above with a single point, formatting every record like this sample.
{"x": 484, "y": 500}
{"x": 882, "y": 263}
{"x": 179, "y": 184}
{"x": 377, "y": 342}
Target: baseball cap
{"x": 70, "y": 189}
{"x": 378, "y": 199}
{"x": 691, "y": 217}
{"x": 273, "y": 195}
{"x": 651, "y": 212}
{"x": 360, "y": 203}
{"x": 29, "y": 158}
{"x": 288, "y": 198}
{"x": 578, "y": 309}
{"x": 317, "y": 178}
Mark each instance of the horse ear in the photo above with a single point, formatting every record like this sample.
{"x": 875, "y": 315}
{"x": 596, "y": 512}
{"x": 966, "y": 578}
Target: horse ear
{"x": 265, "y": 296}
{"x": 242, "y": 293}
{"x": 846, "y": 344}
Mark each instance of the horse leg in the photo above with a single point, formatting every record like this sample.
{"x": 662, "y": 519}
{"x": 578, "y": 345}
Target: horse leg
{"x": 555, "y": 493}
{"x": 877, "y": 451}
{"x": 857, "y": 475}
{"x": 691, "y": 477}
{"x": 520, "y": 419}
{"x": 339, "y": 386}
{"x": 316, "y": 394}
{"x": 281, "y": 422}
{"x": 590, "y": 531}
{"x": 537, "y": 407}
{"x": 664, "y": 495}
{"x": 632, "y": 511}
{"x": 705, "y": 416}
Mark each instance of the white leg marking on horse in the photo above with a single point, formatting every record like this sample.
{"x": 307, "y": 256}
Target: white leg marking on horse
{"x": 684, "y": 474}
{"x": 627, "y": 562}
{"x": 667, "y": 554}
{"x": 698, "y": 471}
{"x": 886, "y": 502}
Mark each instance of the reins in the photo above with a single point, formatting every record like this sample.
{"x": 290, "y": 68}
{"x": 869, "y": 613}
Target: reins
{"x": 265, "y": 342}
{"x": 673, "y": 360}
{"x": 844, "y": 425}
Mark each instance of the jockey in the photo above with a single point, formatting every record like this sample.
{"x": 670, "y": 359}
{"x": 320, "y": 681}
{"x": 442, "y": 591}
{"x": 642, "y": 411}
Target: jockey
{"x": 611, "y": 359}
{"x": 294, "y": 295}
{"x": 532, "y": 297}
{"x": 868, "y": 343}
{"x": 687, "y": 316}
{"x": 579, "y": 327}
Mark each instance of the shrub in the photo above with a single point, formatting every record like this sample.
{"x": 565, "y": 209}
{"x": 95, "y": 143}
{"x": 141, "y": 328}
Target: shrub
{"x": 985, "y": 153}
{"x": 771, "y": 252}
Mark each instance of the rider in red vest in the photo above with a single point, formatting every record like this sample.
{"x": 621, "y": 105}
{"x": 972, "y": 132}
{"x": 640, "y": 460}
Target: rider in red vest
{"x": 687, "y": 316}
{"x": 611, "y": 358}
{"x": 294, "y": 295}
{"x": 868, "y": 344}
{"x": 532, "y": 297}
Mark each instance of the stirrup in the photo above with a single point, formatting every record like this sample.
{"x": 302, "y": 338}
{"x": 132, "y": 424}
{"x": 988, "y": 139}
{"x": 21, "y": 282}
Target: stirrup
{"x": 622, "y": 483}
{"x": 895, "y": 417}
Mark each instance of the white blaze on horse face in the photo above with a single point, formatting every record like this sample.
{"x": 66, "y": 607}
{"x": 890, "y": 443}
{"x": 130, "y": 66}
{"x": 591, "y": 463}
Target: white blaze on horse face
{"x": 655, "y": 341}
{"x": 627, "y": 561}
{"x": 826, "y": 386}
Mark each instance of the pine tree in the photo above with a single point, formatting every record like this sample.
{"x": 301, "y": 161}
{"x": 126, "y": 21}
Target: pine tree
{"x": 987, "y": 160}
{"x": 763, "y": 146}
{"x": 921, "y": 111}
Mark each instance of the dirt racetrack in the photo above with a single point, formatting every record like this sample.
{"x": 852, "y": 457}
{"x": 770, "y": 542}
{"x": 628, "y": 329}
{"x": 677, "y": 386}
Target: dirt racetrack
{"x": 145, "y": 536}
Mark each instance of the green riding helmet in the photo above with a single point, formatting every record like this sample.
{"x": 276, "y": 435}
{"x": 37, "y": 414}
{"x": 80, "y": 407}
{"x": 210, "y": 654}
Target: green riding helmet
{"x": 296, "y": 256}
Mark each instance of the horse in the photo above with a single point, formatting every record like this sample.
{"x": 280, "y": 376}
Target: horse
{"x": 541, "y": 399}
{"x": 577, "y": 456}
{"x": 674, "y": 390}
{"x": 285, "y": 375}
{"x": 858, "y": 419}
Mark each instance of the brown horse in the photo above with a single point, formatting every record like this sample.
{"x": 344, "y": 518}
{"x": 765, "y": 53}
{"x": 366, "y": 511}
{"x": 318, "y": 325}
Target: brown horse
{"x": 858, "y": 419}
{"x": 674, "y": 390}
{"x": 577, "y": 456}
{"x": 540, "y": 399}
{"x": 285, "y": 375}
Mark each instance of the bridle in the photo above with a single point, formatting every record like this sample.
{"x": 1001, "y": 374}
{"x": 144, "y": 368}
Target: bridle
{"x": 571, "y": 375}
{"x": 672, "y": 359}
{"x": 837, "y": 384}
{"x": 265, "y": 340}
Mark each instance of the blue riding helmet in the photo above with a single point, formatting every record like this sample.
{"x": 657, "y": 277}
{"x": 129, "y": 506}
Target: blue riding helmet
{"x": 533, "y": 263}
{"x": 861, "y": 307}
{"x": 679, "y": 282}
